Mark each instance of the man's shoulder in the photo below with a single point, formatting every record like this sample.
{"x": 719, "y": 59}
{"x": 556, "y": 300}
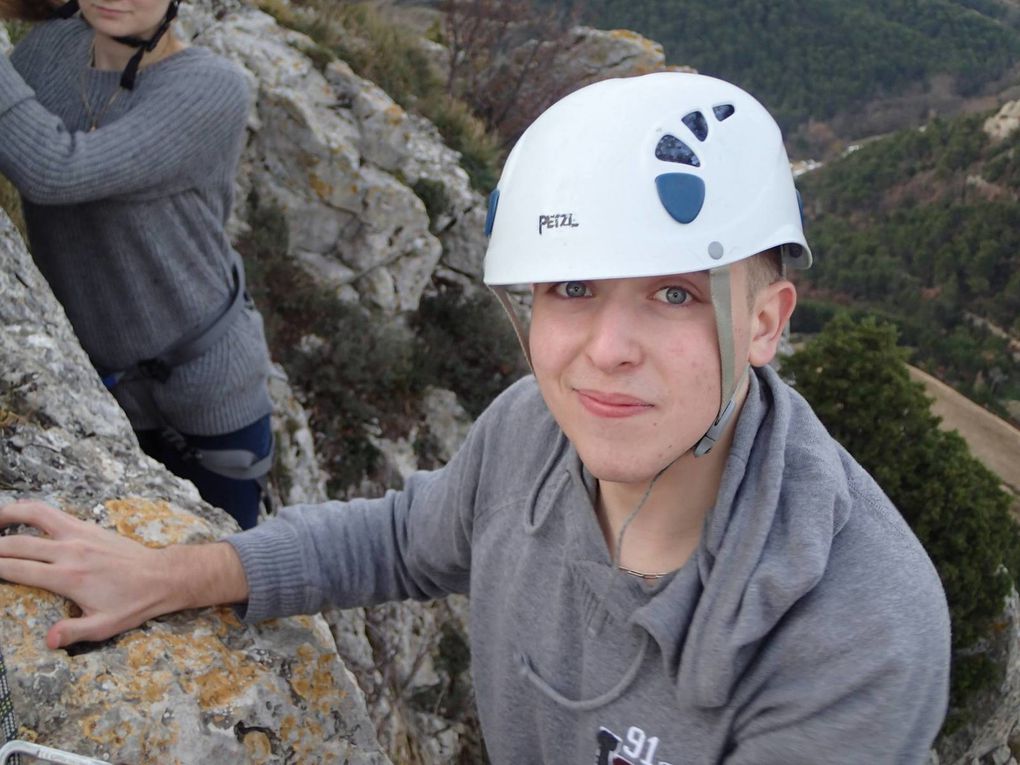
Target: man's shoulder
{"x": 520, "y": 405}
{"x": 880, "y": 588}
{"x": 876, "y": 574}
{"x": 516, "y": 434}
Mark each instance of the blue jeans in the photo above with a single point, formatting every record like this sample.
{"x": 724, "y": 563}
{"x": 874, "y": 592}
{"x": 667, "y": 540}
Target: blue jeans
{"x": 240, "y": 498}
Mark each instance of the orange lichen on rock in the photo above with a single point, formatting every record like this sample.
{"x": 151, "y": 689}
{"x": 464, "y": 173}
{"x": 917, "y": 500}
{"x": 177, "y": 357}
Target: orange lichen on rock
{"x": 394, "y": 114}
{"x": 320, "y": 187}
{"x": 141, "y": 519}
{"x": 300, "y": 736}
{"x": 26, "y": 599}
{"x": 198, "y": 661}
{"x": 31, "y": 611}
{"x": 258, "y": 745}
{"x": 112, "y": 735}
{"x": 314, "y": 680}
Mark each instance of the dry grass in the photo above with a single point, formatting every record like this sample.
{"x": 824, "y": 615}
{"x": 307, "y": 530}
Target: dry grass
{"x": 992, "y": 440}
{"x": 10, "y": 203}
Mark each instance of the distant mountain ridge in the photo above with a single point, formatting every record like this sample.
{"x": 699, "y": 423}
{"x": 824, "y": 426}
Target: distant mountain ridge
{"x": 923, "y": 227}
{"x": 830, "y": 58}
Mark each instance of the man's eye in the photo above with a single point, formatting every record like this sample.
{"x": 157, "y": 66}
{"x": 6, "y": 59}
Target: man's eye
{"x": 673, "y": 295}
{"x": 572, "y": 289}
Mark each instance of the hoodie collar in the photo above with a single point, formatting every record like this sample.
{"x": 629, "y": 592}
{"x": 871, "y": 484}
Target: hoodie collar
{"x": 765, "y": 544}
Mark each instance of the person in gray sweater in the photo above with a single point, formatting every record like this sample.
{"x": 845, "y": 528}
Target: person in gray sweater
{"x": 669, "y": 560}
{"x": 124, "y": 144}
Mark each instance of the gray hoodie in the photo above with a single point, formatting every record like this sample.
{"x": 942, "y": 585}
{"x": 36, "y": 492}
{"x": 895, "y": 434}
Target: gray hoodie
{"x": 809, "y": 626}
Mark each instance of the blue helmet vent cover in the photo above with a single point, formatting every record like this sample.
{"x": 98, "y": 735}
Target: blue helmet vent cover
{"x": 490, "y": 218}
{"x": 723, "y": 111}
{"x": 695, "y": 121}
{"x": 672, "y": 149}
{"x": 682, "y": 194}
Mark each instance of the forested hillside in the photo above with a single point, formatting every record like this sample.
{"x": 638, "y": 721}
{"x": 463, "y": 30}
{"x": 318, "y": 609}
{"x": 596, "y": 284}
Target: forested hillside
{"x": 827, "y": 57}
{"x": 924, "y": 227}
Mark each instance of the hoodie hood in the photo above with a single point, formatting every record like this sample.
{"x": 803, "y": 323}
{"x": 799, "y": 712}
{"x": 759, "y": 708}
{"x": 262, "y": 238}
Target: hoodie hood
{"x": 783, "y": 498}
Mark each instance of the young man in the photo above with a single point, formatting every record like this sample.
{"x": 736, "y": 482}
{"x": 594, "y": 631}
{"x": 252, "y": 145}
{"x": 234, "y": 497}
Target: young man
{"x": 669, "y": 560}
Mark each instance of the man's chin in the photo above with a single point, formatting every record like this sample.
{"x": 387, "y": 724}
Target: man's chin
{"x": 638, "y": 474}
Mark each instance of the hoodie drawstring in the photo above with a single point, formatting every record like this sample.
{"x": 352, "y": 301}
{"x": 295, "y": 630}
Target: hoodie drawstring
{"x": 585, "y": 705}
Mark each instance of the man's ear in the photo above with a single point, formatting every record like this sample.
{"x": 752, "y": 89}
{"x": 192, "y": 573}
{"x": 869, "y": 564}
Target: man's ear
{"x": 772, "y": 309}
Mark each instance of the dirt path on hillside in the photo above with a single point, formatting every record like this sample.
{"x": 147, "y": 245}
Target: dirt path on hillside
{"x": 992, "y": 440}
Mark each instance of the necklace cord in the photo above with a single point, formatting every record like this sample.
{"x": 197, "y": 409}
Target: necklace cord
{"x": 618, "y": 551}
{"x": 92, "y": 118}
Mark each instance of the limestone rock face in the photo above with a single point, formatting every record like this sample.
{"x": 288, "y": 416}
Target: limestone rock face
{"x": 597, "y": 54}
{"x": 340, "y": 158}
{"x": 1003, "y": 123}
{"x": 196, "y": 687}
{"x": 296, "y": 471}
{"x": 991, "y": 734}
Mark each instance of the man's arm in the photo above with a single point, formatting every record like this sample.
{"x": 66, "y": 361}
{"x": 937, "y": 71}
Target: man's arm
{"x": 116, "y": 582}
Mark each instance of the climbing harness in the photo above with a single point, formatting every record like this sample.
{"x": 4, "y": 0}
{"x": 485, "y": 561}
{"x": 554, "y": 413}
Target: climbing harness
{"x": 239, "y": 464}
{"x": 189, "y": 347}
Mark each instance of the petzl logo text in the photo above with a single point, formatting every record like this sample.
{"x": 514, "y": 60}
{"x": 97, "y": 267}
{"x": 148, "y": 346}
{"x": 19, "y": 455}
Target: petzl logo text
{"x": 556, "y": 220}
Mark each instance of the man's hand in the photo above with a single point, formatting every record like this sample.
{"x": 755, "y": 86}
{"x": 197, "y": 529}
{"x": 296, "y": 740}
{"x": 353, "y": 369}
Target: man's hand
{"x": 116, "y": 582}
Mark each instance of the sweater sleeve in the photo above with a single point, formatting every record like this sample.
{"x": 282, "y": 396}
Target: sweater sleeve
{"x": 414, "y": 543}
{"x": 167, "y": 142}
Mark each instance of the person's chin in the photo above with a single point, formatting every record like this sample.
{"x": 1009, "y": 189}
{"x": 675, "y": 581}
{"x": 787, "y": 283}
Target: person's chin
{"x": 610, "y": 464}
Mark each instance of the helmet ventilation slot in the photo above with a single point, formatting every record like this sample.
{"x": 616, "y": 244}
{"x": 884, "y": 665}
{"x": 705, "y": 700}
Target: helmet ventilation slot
{"x": 697, "y": 124}
{"x": 672, "y": 149}
{"x": 723, "y": 111}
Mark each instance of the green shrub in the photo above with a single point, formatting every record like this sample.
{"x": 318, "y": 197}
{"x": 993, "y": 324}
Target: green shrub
{"x": 466, "y": 344}
{"x": 433, "y": 195}
{"x": 16, "y": 30}
{"x": 480, "y": 149}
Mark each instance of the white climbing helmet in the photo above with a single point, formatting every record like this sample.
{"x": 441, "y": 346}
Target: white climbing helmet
{"x": 665, "y": 173}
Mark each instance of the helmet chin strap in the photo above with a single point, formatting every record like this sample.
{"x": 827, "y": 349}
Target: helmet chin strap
{"x": 127, "y": 79}
{"x": 522, "y": 336}
{"x": 722, "y": 303}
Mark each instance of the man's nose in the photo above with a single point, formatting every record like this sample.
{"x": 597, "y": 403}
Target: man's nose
{"x": 614, "y": 336}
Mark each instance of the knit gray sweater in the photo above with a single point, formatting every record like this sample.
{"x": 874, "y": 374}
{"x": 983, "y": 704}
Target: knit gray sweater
{"x": 808, "y": 627}
{"x": 127, "y": 222}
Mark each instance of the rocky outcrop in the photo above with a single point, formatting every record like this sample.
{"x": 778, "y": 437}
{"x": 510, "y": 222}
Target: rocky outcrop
{"x": 1003, "y": 123}
{"x": 340, "y": 158}
{"x": 597, "y": 54}
{"x": 990, "y": 732}
{"x": 196, "y": 687}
